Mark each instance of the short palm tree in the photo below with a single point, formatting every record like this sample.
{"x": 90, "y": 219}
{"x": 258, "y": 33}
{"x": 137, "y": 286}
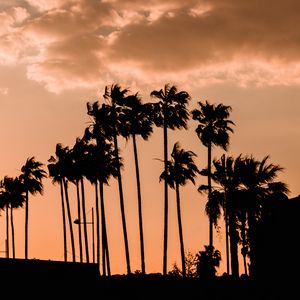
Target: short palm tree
{"x": 213, "y": 130}
{"x": 59, "y": 169}
{"x": 258, "y": 183}
{"x": 227, "y": 176}
{"x": 180, "y": 169}
{"x": 11, "y": 196}
{"x": 170, "y": 112}
{"x": 79, "y": 154}
{"x": 31, "y": 177}
{"x": 16, "y": 200}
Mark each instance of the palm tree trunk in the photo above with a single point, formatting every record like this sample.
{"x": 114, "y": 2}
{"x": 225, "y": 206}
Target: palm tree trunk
{"x": 7, "y": 233}
{"x": 165, "y": 250}
{"x": 244, "y": 242}
{"x": 225, "y": 207}
{"x": 64, "y": 220}
{"x": 233, "y": 244}
{"x": 252, "y": 253}
{"x": 79, "y": 219}
{"x": 122, "y": 204}
{"x": 26, "y": 225}
{"x": 227, "y": 243}
{"x": 84, "y": 222}
{"x": 12, "y": 232}
{"x": 180, "y": 231}
{"x": 105, "y": 249}
{"x": 209, "y": 193}
{"x": 138, "y": 184}
{"x": 97, "y": 224}
{"x": 70, "y": 219}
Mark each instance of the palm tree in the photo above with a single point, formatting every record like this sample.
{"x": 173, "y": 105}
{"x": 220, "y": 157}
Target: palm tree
{"x": 213, "y": 130}
{"x": 138, "y": 123}
{"x": 16, "y": 199}
{"x": 258, "y": 182}
{"x": 169, "y": 112}
{"x": 227, "y": 176}
{"x": 207, "y": 261}
{"x": 59, "y": 169}
{"x": 104, "y": 164}
{"x": 79, "y": 155}
{"x": 4, "y": 204}
{"x": 31, "y": 178}
{"x": 115, "y": 95}
{"x": 180, "y": 169}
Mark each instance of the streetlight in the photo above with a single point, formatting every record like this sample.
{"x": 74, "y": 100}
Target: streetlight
{"x": 77, "y": 222}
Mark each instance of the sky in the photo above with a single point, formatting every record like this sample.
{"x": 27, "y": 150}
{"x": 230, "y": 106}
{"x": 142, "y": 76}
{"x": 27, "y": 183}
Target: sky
{"x": 57, "y": 55}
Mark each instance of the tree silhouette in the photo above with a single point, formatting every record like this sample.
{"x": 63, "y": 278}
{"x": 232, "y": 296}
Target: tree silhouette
{"x": 169, "y": 112}
{"x": 31, "y": 177}
{"x": 107, "y": 123}
{"x": 102, "y": 165}
{"x": 227, "y": 176}
{"x": 59, "y": 168}
{"x": 138, "y": 123}
{"x": 11, "y": 196}
{"x": 180, "y": 169}
{"x": 79, "y": 154}
{"x": 207, "y": 261}
{"x": 213, "y": 130}
{"x": 258, "y": 182}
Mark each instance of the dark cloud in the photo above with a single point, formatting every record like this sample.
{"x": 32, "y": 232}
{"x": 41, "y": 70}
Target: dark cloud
{"x": 201, "y": 41}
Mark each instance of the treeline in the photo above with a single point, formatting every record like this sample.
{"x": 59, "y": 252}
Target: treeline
{"x": 238, "y": 189}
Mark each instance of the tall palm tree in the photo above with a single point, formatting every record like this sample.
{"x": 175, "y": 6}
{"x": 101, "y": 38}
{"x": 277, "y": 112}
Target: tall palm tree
{"x": 213, "y": 130}
{"x": 59, "y": 169}
{"x": 180, "y": 169}
{"x": 105, "y": 164}
{"x": 170, "y": 112}
{"x": 137, "y": 118}
{"x": 31, "y": 177}
{"x": 115, "y": 94}
{"x": 258, "y": 182}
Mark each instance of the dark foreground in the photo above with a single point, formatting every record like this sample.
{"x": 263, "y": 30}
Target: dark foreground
{"x": 40, "y": 279}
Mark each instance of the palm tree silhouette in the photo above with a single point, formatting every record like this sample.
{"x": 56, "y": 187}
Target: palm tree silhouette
{"x": 180, "y": 169}
{"x": 138, "y": 123}
{"x": 169, "y": 112}
{"x": 106, "y": 122}
{"x": 79, "y": 155}
{"x": 4, "y": 204}
{"x": 11, "y": 196}
{"x": 227, "y": 176}
{"x": 31, "y": 177}
{"x": 115, "y": 95}
{"x": 16, "y": 200}
{"x": 101, "y": 166}
{"x": 213, "y": 130}
{"x": 59, "y": 168}
{"x": 258, "y": 182}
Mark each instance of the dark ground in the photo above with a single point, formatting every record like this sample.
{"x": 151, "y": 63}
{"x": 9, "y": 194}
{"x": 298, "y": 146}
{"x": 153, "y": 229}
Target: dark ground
{"x": 40, "y": 279}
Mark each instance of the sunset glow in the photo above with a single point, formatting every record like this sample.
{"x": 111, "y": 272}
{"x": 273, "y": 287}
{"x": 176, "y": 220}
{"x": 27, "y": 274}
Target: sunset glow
{"x": 55, "y": 56}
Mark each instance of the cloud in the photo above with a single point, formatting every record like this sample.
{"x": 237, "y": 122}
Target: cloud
{"x": 67, "y": 44}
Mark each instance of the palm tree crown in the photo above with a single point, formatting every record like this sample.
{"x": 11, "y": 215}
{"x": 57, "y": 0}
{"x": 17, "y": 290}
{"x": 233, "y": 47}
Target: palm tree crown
{"x": 214, "y": 126}
{"x": 181, "y": 167}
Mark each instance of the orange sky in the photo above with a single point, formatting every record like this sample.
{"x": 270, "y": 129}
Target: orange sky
{"x": 56, "y": 55}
